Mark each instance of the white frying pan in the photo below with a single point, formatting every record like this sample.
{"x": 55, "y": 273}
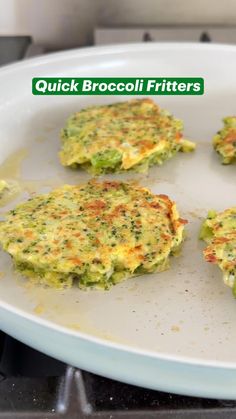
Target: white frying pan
{"x": 173, "y": 331}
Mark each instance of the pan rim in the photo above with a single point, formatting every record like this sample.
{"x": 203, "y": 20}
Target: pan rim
{"x": 50, "y": 325}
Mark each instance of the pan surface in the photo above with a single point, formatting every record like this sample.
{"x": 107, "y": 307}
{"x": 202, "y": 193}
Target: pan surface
{"x": 172, "y": 331}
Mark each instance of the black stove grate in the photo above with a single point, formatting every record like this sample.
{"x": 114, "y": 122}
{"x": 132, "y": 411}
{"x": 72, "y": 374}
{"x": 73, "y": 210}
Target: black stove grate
{"x": 13, "y": 48}
{"x": 35, "y": 386}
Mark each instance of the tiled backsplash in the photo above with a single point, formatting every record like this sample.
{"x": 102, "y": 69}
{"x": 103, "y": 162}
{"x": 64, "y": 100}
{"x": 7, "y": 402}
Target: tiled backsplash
{"x": 65, "y": 23}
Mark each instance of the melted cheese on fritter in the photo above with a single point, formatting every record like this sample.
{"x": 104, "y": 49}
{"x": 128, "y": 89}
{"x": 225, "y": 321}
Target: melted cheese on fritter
{"x": 97, "y": 233}
{"x": 225, "y": 140}
{"x": 132, "y": 134}
{"x": 219, "y": 231}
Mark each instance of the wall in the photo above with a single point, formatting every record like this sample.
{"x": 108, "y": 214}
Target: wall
{"x": 64, "y": 23}
{"x": 54, "y": 23}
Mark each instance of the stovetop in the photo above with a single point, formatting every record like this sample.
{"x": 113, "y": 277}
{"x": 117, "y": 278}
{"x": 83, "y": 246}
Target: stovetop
{"x": 35, "y": 386}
